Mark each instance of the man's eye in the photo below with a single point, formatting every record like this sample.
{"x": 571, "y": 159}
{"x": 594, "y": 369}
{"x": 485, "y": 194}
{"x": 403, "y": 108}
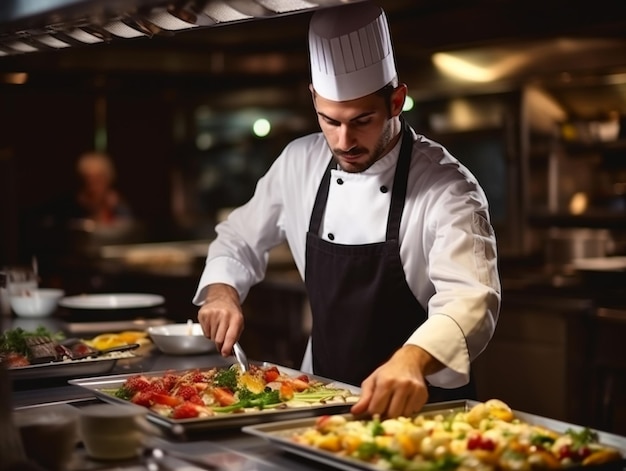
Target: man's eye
{"x": 362, "y": 122}
{"x": 331, "y": 122}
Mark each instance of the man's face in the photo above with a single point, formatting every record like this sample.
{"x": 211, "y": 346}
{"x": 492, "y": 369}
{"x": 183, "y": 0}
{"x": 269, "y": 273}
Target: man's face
{"x": 361, "y": 131}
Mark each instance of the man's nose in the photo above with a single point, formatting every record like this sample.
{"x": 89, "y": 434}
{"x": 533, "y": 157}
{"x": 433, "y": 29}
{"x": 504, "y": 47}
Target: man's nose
{"x": 345, "y": 138}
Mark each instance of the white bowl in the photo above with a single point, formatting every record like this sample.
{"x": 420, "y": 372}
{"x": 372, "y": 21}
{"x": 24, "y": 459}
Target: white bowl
{"x": 39, "y": 302}
{"x": 180, "y": 339}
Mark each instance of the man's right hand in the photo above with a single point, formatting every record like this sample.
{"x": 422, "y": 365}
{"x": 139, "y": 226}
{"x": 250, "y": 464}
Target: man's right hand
{"x": 221, "y": 317}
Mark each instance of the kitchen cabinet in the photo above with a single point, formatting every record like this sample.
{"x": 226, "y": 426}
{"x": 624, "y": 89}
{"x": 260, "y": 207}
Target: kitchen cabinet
{"x": 537, "y": 360}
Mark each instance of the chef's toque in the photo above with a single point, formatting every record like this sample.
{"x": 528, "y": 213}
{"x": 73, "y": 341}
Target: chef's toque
{"x": 350, "y": 51}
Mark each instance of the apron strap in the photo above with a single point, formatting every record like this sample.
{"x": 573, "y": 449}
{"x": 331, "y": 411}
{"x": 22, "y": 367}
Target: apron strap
{"x": 320, "y": 199}
{"x": 400, "y": 179}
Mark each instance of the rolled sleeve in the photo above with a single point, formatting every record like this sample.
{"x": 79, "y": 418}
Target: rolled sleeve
{"x": 443, "y": 338}
{"x": 224, "y": 270}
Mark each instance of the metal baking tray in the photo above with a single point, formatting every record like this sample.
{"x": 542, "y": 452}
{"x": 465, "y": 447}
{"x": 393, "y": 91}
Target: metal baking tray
{"x": 182, "y": 427}
{"x": 64, "y": 369}
{"x": 279, "y": 434}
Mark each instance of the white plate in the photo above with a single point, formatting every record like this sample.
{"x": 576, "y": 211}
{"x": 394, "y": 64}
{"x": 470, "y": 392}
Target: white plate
{"x": 112, "y": 301}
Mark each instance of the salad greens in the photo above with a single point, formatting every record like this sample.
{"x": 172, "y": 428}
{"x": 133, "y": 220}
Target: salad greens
{"x": 14, "y": 340}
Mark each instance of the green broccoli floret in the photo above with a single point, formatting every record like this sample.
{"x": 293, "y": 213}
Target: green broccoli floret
{"x": 248, "y": 399}
{"x": 123, "y": 393}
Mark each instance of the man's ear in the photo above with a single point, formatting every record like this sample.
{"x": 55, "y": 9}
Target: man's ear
{"x": 397, "y": 99}
{"x": 312, "y": 90}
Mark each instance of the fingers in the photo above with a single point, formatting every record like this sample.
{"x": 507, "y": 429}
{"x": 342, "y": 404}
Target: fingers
{"x": 390, "y": 396}
{"x": 222, "y": 323}
{"x": 361, "y": 407}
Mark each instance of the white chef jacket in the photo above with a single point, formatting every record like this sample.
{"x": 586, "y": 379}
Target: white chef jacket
{"x": 447, "y": 244}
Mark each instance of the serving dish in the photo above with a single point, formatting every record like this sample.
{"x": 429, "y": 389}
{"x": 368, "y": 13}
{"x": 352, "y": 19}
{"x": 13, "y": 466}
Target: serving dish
{"x": 281, "y": 435}
{"x": 181, "y": 339}
{"x": 112, "y": 301}
{"x": 101, "y": 387}
{"x": 64, "y": 369}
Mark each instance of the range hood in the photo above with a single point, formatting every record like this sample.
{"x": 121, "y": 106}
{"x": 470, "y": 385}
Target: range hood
{"x": 39, "y": 25}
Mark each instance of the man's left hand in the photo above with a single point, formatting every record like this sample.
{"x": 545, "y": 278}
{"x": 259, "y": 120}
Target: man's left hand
{"x": 398, "y": 387}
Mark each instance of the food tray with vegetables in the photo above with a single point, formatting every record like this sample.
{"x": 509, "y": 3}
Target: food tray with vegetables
{"x": 224, "y": 397}
{"x": 457, "y": 435}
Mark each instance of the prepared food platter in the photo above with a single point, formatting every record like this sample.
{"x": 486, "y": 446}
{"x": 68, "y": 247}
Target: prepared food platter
{"x": 202, "y": 399}
{"x": 40, "y": 353}
{"x": 456, "y": 435}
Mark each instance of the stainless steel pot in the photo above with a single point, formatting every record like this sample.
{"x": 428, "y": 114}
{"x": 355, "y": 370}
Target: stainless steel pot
{"x": 563, "y": 245}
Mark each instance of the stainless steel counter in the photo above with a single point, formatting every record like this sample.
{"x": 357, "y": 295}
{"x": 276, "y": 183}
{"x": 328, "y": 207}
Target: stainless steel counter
{"x": 223, "y": 449}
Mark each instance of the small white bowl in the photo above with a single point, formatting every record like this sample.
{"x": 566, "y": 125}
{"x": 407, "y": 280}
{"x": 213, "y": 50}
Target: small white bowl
{"x": 40, "y": 302}
{"x": 180, "y": 339}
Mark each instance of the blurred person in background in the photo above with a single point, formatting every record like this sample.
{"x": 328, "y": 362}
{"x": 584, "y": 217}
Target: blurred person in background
{"x": 390, "y": 233}
{"x": 76, "y": 223}
{"x": 97, "y": 199}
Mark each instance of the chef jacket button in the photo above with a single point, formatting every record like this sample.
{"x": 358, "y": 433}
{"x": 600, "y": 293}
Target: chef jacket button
{"x": 384, "y": 189}
{"x": 339, "y": 181}
{"x": 331, "y": 236}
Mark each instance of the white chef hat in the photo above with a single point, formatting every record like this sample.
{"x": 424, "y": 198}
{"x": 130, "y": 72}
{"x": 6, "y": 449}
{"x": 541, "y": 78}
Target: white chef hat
{"x": 350, "y": 51}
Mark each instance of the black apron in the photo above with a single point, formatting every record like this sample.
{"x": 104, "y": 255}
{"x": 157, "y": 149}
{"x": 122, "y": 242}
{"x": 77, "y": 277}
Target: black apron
{"x": 363, "y": 309}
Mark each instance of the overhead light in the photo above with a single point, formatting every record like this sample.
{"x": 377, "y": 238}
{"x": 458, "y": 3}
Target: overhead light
{"x": 460, "y": 68}
{"x": 166, "y": 20}
{"x": 51, "y": 41}
{"x": 251, "y": 8}
{"x": 222, "y": 12}
{"x": 284, "y": 6}
{"x": 15, "y": 78}
{"x": 21, "y": 46}
{"x": 83, "y": 36}
{"x": 122, "y": 30}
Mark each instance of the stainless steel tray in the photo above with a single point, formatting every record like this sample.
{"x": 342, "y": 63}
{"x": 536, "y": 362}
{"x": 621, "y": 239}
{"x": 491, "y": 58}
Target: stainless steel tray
{"x": 279, "y": 434}
{"x": 181, "y": 427}
{"x": 64, "y": 369}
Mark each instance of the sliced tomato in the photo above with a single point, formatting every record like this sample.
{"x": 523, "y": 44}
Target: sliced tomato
{"x": 169, "y": 381}
{"x": 15, "y": 360}
{"x": 166, "y": 399}
{"x": 224, "y": 396}
{"x": 186, "y": 410}
{"x": 286, "y": 391}
{"x": 321, "y": 421}
{"x": 200, "y": 386}
{"x": 156, "y": 386}
{"x": 271, "y": 374}
{"x": 137, "y": 383}
{"x": 196, "y": 400}
{"x": 299, "y": 385}
{"x": 142, "y": 398}
{"x": 186, "y": 391}
{"x": 198, "y": 377}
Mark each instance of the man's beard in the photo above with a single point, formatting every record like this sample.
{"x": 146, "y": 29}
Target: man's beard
{"x": 379, "y": 150}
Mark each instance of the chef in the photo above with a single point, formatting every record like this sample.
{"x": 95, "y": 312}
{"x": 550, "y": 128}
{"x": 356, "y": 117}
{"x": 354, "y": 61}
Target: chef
{"x": 390, "y": 233}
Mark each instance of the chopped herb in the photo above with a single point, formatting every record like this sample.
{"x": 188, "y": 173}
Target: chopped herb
{"x": 541, "y": 440}
{"x": 377, "y": 428}
{"x": 582, "y": 437}
{"x": 226, "y": 378}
